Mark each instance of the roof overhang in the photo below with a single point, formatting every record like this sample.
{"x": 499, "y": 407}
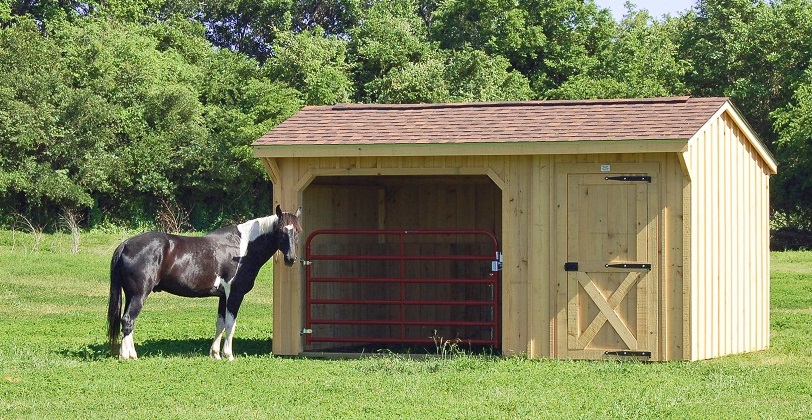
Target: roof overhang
{"x": 470, "y": 149}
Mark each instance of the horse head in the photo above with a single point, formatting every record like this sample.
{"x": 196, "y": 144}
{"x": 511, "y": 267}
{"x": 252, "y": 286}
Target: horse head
{"x": 289, "y": 228}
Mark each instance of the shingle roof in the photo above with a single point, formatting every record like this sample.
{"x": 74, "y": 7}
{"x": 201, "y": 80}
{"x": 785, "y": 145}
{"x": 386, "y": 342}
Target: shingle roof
{"x": 505, "y": 122}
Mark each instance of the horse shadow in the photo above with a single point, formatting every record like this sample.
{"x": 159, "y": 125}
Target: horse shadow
{"x": 184, "y": 348}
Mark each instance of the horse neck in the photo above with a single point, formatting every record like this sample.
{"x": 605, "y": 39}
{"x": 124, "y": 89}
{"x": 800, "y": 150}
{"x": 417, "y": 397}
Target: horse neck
{"x": 265, "y": 246}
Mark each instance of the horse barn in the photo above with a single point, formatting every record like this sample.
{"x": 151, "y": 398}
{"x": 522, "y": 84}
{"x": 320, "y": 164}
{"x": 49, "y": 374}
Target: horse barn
{"x": 562, "y": 229}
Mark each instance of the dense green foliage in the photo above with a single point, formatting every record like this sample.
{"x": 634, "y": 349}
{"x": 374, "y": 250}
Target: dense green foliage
{"x": 55, "y": 362}
{"x": 114, "y": 107}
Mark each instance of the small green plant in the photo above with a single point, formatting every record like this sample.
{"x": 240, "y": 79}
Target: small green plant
{"x": 447, "y": 348}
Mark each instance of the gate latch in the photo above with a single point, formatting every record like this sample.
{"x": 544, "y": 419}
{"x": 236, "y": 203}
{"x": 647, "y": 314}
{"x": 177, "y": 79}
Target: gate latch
{"x": 306, "y": 331}
{"x": 496, "y": 265}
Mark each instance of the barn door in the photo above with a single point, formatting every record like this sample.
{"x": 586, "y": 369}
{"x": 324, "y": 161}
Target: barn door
{"x": 609, "y": 289}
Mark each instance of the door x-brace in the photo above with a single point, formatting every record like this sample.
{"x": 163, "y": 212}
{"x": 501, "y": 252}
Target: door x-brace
{"x": 607, "y": 310}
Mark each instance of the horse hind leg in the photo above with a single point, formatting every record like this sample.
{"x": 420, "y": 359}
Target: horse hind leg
{"x": 132, "y": 308}
{"x": 220, "y": 327}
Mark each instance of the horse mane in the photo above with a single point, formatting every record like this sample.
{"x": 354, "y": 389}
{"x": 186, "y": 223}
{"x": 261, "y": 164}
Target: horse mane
{"x": 253, "y": 229}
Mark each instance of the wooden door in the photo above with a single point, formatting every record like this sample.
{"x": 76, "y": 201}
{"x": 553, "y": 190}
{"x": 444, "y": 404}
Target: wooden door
{"x": 607, "y": 292}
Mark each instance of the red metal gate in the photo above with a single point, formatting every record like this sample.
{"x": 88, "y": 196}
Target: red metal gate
{"x": 402, "y": 287}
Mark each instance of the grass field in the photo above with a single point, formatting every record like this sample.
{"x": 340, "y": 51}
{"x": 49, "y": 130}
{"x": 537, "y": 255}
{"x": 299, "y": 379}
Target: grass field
{"x": 54, "y": 362}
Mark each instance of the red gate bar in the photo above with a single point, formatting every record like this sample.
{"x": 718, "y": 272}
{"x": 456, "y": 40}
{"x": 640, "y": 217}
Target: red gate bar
{"x": 401, "y": 258}
{"x": 392, "y": 341}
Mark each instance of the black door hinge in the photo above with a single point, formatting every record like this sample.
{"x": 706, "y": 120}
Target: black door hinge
{"x": 630, "y": 178}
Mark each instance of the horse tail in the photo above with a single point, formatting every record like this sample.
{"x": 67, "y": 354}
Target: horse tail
{"x": 114, "y": 302}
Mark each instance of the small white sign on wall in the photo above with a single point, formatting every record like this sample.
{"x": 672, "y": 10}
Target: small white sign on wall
{"x": 606, "y": 168}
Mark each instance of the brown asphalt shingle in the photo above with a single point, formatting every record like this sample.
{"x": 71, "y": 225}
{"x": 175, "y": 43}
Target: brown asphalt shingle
{"x": 506, "y": 122}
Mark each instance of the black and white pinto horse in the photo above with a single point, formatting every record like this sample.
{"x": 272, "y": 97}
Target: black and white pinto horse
{"x": 223, "y": 263}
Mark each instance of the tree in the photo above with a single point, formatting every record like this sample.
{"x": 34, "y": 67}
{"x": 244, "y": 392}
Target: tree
{"x": 642, "y": 61}
{"x": 35, "y": 166}
{"x": 474, "y": 76}
{"x": 793, "y": 123}
{"x": 111, "y": 117}
{"x": 391, "y": 36}
{"x": 247, "y": 26}
{"x": 494, "y": 26}
{"x": 312, "y": 63}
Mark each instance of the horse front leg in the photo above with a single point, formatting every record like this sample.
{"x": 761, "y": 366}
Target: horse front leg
{"x": 220, "y": 327}
{"x": 232, "y": 307}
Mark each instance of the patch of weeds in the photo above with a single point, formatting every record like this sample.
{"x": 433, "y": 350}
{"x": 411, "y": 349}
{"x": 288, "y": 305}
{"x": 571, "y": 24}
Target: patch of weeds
{"x": 386, "y": 361}
{"x": 92, "y": 352}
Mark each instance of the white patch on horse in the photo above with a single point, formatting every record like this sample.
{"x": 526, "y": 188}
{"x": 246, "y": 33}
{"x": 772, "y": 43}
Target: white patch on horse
{"x": 227, "y": 287}
{"x": 252, "y": 229}
{"x": 217, "y": 281}
{"x": 127, "y": 349}
{"x": 218, "y": 336}
{"x": 231, "y": 322}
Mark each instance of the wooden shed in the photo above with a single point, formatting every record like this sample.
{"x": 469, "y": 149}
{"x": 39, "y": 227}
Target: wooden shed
{"x": 564, "y": 229}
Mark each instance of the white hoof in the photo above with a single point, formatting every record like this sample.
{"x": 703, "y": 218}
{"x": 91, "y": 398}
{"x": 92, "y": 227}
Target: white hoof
{"x": 127, "y": 349}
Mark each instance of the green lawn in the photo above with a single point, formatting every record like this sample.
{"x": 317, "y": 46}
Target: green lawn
{"x": 54, "y": 361}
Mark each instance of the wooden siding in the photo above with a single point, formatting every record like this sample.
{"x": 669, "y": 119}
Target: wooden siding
{"x": 729, "y": 250}
{"x": 523, "y": 222}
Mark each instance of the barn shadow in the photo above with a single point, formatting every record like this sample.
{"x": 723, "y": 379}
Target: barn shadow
{"x": 191, "y": 348}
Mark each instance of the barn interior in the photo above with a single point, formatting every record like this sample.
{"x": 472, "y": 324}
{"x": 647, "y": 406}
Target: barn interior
{"x": 401, "y": 262}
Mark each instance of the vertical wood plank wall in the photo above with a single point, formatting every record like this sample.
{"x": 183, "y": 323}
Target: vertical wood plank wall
{"x": 729, "y": 237}
{"x": 526, "y": 234}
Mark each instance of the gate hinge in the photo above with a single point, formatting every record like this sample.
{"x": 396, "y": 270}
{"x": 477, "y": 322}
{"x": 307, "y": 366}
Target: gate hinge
{"x": 306, "y": 331}
{"x": 306, "y": 262}
{"x": 496, "y": 265}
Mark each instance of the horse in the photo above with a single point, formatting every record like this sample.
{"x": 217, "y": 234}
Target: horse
{"x": 223, "y": 263}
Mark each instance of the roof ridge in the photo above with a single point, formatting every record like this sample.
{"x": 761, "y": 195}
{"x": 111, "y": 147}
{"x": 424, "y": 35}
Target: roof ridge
{"x": 550, "y": 102}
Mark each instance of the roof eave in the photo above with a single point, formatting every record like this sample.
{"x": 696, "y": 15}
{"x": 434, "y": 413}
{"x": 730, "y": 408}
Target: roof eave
{"x": 470, "y": 149}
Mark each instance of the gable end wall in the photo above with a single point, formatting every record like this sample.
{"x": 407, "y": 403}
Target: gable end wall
{"x": 729, "y": 242}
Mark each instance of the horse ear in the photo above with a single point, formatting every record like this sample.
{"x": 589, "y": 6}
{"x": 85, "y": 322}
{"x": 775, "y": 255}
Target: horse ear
{"x": 299, "y": 213}
{"x": 278, "y": 211}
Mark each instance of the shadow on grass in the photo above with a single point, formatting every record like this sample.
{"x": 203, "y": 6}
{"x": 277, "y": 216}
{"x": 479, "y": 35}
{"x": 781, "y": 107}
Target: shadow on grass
{"x": 191, "y": 348}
